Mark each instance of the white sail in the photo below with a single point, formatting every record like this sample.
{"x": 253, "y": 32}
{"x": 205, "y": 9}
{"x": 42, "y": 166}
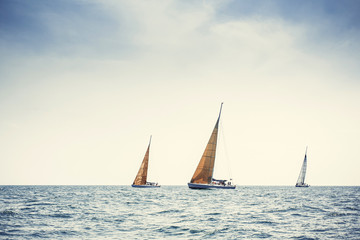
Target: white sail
{"x": 301, "y": 179}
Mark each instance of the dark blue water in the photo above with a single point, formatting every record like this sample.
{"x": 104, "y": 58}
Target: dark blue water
{"x": 176, "y": 212}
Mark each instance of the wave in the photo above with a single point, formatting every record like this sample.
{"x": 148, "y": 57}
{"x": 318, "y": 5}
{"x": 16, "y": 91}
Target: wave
{"x": 8, "y": 213}
{"x": 213, "y": 214}
{"x": 61, "y": 215}
{"x": 178, "y": 213}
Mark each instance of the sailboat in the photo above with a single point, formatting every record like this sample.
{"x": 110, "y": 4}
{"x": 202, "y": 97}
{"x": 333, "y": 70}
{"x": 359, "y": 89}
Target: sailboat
{"x": 203, "y": 176}
{"x": 301, "y": 179}
{"x": 141, "y": 177}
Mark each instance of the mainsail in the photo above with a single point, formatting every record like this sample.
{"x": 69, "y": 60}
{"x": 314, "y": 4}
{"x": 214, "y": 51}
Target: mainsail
{"x": 204, "y": 171}
{"x": 141, "y": 176}
{"x": 301, "y": 178}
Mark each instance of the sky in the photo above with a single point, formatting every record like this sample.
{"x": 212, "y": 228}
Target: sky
{"x": 83, "y": 85}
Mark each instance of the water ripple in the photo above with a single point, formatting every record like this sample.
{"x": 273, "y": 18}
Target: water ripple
{"x": 122, "y": 212}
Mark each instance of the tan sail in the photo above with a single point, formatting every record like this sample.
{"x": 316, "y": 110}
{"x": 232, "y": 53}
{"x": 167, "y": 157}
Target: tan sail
{"x": 204, "y": 171}
{"x": 141, "y": 176}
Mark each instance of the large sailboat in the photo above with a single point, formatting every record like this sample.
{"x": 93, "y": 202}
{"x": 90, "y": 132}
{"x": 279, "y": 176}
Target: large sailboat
{"x": 301, "y": 179}
{"x": 203, "y": 176}
{"x": 141, "y": 177}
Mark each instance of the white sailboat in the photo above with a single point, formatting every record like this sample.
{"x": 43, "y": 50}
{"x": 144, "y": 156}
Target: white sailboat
{"x": 203, "y": 176}
{"x": 301, "y": 179}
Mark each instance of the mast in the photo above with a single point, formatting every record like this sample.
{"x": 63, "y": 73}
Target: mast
{"x": 217, "y": 126}
{"x": 204, "y": 171}
{"x": 220, "y": 110}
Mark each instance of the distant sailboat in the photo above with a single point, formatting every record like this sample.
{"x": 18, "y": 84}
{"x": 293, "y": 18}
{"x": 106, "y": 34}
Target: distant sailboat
{"x": 141, "y": 177}
{"x": 301, "y": 179}
{"x": 203, "y": 176}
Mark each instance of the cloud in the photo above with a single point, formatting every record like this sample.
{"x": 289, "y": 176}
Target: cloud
{"x": 61, "y": 28}
{"x": 89, "y": 81}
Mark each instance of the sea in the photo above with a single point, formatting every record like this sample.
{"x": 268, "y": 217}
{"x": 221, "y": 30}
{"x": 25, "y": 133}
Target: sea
{"x": 177, "y": 212}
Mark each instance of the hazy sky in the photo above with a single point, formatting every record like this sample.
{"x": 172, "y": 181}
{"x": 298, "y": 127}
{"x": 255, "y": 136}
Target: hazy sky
{"x": 83, "y": 85}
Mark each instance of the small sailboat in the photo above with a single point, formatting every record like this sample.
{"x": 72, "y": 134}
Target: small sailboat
{"x": 141, "y": 177}
{"x": 203, "y": 176}
{"x": 301, "y": 179}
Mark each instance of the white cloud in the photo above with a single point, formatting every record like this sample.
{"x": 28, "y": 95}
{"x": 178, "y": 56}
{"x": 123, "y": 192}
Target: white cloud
{"x": 86, "y": 118}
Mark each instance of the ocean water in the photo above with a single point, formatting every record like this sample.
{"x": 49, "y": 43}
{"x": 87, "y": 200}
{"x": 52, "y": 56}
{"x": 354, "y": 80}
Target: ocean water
{"x": 177, "y": 212}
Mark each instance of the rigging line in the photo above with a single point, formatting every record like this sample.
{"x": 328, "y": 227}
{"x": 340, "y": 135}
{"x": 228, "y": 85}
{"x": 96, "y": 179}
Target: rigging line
{"x": 225, "y": 149}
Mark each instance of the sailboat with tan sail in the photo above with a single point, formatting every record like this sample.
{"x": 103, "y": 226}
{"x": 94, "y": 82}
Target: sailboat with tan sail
{"x": 203, "y": 176}
{"x": 141, "y": 177}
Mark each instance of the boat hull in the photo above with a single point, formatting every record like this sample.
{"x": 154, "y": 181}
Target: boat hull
{"x": 145, "y": 186}
{"x": 302, "y": 185}
{"x": 210, "y": 186}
